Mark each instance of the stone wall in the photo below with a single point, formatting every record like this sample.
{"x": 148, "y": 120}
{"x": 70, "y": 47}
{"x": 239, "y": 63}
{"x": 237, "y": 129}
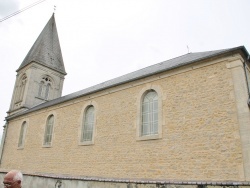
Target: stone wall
{"x": 200, "y": 131}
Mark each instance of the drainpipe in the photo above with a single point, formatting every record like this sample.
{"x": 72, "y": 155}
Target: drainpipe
{"x": 5, "y": 127}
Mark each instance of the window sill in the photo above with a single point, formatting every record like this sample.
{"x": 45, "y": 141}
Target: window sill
{"x": 43, "y": 99}
{"x": 86, "y": 143}
{"x": 47, "y": 146}
{"x": 149, "y": 137}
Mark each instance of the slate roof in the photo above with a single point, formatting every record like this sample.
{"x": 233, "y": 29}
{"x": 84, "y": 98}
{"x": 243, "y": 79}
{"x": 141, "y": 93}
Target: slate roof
{"x": 142, "y": 73}
{"x": 46, "y": 50}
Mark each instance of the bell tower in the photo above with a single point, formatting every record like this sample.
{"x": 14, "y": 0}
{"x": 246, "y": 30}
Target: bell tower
{"x": 41, "y": 74}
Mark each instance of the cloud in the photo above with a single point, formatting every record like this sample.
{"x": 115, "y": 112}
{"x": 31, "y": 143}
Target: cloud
{"x": 7, "y": 7}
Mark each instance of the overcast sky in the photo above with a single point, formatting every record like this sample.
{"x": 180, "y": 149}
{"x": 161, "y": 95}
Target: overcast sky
{"x": 104, "y": 39}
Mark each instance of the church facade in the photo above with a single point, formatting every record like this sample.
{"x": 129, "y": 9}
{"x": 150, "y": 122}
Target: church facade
{"x": 186, "y": 120}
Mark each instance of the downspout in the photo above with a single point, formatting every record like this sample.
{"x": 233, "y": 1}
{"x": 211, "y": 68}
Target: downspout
{"x": 5, "y": 128}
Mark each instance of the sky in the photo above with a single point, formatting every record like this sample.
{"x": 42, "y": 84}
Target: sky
{"x": 104, "y": 39}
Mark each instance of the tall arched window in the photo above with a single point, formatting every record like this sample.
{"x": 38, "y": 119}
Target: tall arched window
{"x": 44, "y": 88}
{"x": 88, "y": 124}
{"x": 22, "y": 134}
{"x": 149, "y": 114}
{"x": 40, "y": 91}
{"x": 48, "y": 131}
{"x": 21, "y": 88}
{"x": 47, "y": 91}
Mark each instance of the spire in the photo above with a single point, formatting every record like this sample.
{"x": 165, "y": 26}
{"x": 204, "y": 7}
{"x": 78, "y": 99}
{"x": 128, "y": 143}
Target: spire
{"x": 46, "y": 50}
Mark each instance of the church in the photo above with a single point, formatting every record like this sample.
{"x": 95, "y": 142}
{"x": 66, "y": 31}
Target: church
{"x": 184, "y": 122}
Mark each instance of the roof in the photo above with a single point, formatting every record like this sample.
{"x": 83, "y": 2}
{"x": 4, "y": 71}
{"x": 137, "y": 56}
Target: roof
{"x": 46, "y": 50}
{"x": 142, "y": 73}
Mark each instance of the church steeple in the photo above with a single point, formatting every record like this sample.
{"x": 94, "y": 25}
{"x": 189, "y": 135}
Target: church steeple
{"x": 46, "y": 50}
{"x": 41, "y": 74}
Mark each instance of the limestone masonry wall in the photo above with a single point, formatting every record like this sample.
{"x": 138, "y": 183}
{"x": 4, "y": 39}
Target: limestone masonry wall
{"x": 200, "y": 131}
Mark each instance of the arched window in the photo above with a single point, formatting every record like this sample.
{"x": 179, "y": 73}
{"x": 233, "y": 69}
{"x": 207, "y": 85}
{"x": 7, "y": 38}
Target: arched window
{"x": 48, "y": 131}
{"x": 21, "y": 88}
{"x": 21, "y": 135}
{"x": 40, "y": 91}
{"x": 47, "y": 91}
{"x": 44, "y": 88}
{"x": 149, "y": 114}
{"x": 88, "y": 124}
{"x": 150, "y": 120}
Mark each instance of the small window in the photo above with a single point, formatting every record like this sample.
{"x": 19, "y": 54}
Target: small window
{"x": 48, "y": 131}
{"x": 149, "y": 114}
{"x": 47, "y": 91}
{"x": 21, "y": 135}
{"x": 40, "y": 91}
{"x": 88, "y": 124}
{"x": 20, "y": 89}
{"x": 45, "y": 88}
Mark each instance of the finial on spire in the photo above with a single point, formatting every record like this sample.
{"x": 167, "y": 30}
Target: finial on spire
{"x": 188, "y": 49}
{"x": 54, "y": 9}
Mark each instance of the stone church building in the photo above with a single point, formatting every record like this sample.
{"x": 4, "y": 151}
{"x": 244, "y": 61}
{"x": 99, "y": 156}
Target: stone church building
{"x": 184, "y": 122}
